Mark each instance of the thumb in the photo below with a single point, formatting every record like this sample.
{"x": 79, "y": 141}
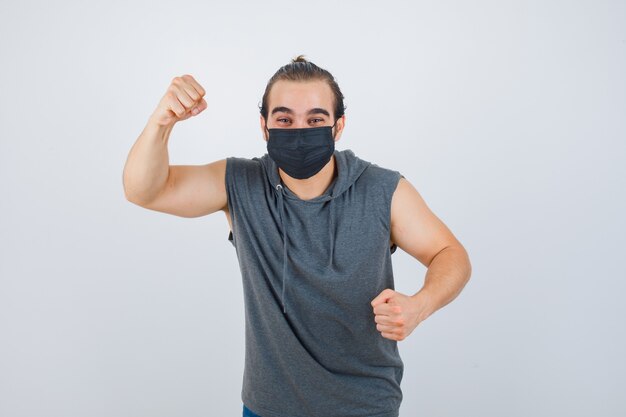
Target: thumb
{"x": 199, "y": 108}
{"x": 385, "y": 295}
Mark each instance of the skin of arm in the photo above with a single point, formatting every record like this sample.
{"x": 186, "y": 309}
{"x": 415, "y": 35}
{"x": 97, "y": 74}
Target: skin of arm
{"x": 419, "y": 232}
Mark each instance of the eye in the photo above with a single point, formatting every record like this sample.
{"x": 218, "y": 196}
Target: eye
{"x": 317, "y": 120}
{"x": 283, "y": 120}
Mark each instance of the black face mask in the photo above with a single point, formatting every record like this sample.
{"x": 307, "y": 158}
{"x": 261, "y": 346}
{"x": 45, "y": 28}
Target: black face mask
{"x": 301, "y": 153}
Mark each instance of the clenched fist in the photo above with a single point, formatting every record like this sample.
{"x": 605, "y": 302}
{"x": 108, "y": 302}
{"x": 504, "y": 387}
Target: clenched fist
{"x": 182, "y": 100}
{"x": 397, "y": 315}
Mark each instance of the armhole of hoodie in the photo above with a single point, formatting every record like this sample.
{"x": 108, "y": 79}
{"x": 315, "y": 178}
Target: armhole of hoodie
{"x": 396, "y": 181}
{"x": 228, "y": 178}
{"x": 242, "y": 178}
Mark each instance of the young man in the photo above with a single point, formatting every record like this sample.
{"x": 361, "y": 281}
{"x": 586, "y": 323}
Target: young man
{"x": 314, "y": 229}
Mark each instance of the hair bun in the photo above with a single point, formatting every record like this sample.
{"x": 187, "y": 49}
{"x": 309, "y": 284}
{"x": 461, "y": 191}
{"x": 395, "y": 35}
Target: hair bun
{"x": 299, "y": 58}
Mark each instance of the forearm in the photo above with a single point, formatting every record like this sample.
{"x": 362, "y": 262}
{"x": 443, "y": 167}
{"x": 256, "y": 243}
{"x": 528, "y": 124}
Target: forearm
{"x": 147, "y": 165}
{"x": 445, "y": 278}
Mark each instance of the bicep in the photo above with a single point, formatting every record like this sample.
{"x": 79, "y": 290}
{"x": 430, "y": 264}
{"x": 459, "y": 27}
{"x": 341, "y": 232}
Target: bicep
{"x": 414, "y": 227}
{"x": 193, "y": 190}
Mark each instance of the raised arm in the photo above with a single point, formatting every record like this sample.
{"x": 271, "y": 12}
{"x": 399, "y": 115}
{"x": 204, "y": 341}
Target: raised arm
{"x": 182, "y": 190}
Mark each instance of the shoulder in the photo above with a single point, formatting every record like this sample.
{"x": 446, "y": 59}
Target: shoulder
{"x": 378, "y": 171}
{"x": 242, "y": 163}
{"x": 378, "y": 183}
{"x": 241, "y": 167}
{"x": 385, "y": 177}
{"x": 245, "y": 177}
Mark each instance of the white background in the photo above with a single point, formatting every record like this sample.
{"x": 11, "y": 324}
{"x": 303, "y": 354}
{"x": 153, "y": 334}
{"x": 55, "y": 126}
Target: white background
{"x": 507, "y": 116}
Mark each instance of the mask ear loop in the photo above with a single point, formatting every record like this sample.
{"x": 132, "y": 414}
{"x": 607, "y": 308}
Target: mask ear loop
{"x": 267, "y": 130}
{"x": 332, "y": 127}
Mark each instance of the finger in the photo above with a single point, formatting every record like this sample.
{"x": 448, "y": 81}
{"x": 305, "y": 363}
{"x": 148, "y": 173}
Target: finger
{"x": 383, "y": 328}
{"x": 389, "y": 335}
{"x": 385, "y": 320}
{"x": 195, "y": 85}
{"x": 175, "y": 105}
{"x": 183, "y": 96}
{"x": 189, "y": 89}
{"x": 387, "y": 310}
{"x": 382, "y": 297}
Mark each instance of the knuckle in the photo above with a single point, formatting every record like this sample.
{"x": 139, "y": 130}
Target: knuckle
{"x": 172, "y": 98}
{"x": 170, "y": 94}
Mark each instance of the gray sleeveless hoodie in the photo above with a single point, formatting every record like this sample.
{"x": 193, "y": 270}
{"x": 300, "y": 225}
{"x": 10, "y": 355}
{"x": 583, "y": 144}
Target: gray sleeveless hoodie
{"x": 310, "y": 269}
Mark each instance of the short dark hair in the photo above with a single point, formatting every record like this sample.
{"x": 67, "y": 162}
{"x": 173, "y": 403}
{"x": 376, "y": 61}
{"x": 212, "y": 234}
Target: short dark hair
{"x": 299, "y": 69}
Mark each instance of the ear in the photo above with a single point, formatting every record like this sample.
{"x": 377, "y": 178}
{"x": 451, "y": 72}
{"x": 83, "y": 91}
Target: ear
{"x": 263, "y": 125}
{"x": 341, "y": 123}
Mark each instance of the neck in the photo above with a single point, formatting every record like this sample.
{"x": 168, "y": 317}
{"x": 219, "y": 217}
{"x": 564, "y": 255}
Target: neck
{"x": 314, "y": 186}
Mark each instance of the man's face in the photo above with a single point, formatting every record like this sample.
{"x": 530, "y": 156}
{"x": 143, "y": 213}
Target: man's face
{"x": 295, "y": 104}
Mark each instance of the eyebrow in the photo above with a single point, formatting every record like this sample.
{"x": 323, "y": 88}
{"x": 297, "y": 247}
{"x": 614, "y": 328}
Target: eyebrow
{"x": 316, "y": 110}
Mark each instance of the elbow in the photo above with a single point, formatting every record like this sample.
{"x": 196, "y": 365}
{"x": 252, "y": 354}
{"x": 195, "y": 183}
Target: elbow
{"x": 468, "y": 265}
{"x": 127, "y": 193}
{"x": 133, "y": 197}
{"x": 130, "y": 192}
{"x": 462, "y": 260}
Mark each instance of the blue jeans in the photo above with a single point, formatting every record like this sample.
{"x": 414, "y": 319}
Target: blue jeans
{"x": 248, "y": 413}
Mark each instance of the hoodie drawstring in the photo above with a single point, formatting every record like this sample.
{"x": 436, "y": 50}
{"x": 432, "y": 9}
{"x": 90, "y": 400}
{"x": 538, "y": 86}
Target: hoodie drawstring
{"x": 282, "y": 221}
{"x": 331, "y": 231}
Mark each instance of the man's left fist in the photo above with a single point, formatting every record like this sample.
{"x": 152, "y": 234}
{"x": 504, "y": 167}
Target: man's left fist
{"x": 396, "y": 314}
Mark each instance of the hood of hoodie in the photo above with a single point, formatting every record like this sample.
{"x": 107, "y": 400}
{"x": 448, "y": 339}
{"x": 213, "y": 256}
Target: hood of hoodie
{"x": 349, "y": 168}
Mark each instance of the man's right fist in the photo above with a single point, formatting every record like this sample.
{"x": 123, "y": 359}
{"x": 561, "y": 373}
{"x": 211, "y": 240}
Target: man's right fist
{"x": 182, "y": 100}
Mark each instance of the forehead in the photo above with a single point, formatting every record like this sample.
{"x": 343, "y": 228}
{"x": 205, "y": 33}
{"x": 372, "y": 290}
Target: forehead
{"x": 301, "y": 95}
